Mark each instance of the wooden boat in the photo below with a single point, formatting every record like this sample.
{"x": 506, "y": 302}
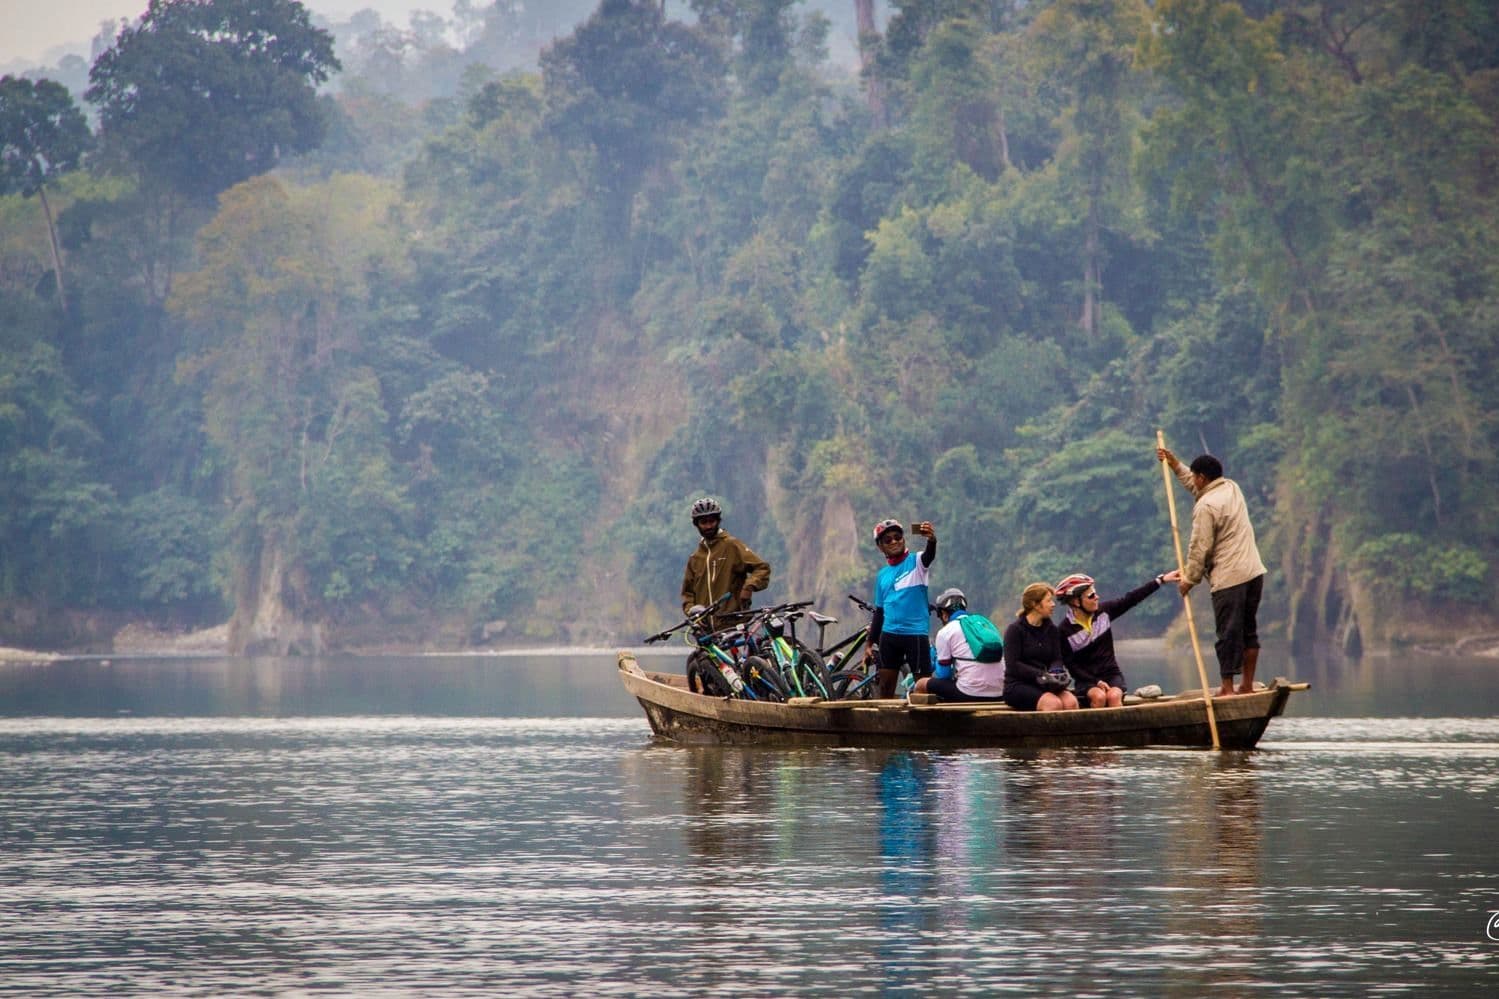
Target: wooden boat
{"x": 679, "y": 715}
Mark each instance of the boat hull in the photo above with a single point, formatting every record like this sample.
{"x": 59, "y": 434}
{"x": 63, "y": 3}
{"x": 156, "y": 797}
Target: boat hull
{"x": 679, "y": 715}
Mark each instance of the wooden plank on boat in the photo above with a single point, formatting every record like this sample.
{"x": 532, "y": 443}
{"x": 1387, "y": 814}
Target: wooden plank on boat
{"x": 962, "y": 707}
{"x": 817, "y": 702}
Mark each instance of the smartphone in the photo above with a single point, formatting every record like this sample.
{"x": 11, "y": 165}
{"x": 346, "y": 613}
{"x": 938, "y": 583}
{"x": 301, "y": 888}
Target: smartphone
{"x": 914, "y": 525}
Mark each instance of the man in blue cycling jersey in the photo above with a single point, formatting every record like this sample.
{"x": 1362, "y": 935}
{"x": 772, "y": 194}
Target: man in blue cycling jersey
{"x": 901, "y": 617}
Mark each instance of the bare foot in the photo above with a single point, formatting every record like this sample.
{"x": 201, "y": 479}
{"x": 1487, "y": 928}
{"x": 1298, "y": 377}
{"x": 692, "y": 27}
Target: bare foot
{"x": 1226, "y": 690}
{"x": 1246, "y": 688}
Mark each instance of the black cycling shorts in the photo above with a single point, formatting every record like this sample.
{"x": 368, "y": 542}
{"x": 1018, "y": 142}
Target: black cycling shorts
{"x": 906, "y": 651}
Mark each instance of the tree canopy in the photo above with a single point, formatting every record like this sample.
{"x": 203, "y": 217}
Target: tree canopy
{"x": 202, "y": 94}
{"x": 469, "y": 359}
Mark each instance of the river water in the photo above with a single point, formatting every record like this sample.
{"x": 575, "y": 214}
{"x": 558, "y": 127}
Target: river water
{"x": 505, "y": 826}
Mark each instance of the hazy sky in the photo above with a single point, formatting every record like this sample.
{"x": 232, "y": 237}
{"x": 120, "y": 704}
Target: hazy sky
{"x": 31, "y": 29}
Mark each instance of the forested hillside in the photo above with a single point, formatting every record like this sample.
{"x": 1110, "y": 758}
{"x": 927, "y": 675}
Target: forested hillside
{"x": 350, "y": 364}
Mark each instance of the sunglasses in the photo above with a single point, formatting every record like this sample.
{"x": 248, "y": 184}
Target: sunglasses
{"x": 886, "y": 539}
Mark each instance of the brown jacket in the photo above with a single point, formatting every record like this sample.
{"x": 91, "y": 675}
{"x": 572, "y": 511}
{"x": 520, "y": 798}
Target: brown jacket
{"x": 723, "y": 565}
{"x": 1222, "y": 548}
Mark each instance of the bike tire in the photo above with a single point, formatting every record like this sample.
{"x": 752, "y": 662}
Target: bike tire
{"x": 857, "y": 685}
{"x": 815, "y": 677}
{"x": 710, "y": 680}
{"x": 694, "y": 673}
{"x": 843, "y": 681}
{"x": 767, "y": 681}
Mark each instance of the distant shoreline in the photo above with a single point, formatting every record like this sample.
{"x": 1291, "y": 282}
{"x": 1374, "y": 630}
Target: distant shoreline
{"x": 209, "y": 644}
{"x": 33, "y": 657}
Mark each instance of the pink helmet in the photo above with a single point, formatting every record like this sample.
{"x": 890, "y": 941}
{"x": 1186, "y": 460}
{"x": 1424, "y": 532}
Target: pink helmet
{"x": 886, "y": 525}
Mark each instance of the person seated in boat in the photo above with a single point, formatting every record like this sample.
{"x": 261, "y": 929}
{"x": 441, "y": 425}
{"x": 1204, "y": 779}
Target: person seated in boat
{"x": 720, "y": 564}
{"x": 1088, "y": 636}
{"x": 967, "y": 679}
{"x": 1035, "y": 677}
{"x": 901, "y": 619}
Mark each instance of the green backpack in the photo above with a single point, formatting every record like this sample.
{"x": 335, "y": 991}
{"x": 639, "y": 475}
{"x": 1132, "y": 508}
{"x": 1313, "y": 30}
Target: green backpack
{"x": 984, "y": 640}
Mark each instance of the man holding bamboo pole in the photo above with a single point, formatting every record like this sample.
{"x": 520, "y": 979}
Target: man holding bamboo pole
{"x": 1223, "y": 550}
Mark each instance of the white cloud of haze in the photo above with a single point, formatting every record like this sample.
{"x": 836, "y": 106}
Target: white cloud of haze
{"x": 36, "y": 33}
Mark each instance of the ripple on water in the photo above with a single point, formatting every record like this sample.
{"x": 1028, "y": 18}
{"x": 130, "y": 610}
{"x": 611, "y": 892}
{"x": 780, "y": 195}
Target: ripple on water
{"x": 542, "y": 857}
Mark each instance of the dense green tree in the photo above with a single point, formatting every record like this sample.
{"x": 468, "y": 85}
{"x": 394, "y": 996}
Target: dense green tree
{"x": 42, "y": 135}
{"x": 55, "y": 515}
{"x": 1088, "y": 46}
{"x": 202, "y": 94}
{"x": 278, "y": 312}
{"x": 619, "y": 89}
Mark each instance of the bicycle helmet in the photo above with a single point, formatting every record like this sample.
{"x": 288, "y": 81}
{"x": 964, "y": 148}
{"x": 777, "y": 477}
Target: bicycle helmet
{"x": 706, "y": 507}
{"x": 1071, "y": 585}
{"x": 886, "y": 525}
{"x": 952, "y": 600}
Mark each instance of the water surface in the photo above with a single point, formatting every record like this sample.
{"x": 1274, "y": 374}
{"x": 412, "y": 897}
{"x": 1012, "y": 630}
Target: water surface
{"x": 506, "y": 826}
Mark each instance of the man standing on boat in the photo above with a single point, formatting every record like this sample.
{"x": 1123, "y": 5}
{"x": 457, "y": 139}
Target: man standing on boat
{"x": 720, "y": 564}
{"x": 1223, "y": 550}
{"x": 899, "y": 626}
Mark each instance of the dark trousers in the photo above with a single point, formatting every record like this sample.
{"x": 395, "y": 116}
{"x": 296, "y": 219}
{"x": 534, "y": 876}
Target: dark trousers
{"x": 1235, "y": 615}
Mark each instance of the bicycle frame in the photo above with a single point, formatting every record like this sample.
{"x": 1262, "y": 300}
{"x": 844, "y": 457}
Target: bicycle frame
{"x": 769, "y": 629}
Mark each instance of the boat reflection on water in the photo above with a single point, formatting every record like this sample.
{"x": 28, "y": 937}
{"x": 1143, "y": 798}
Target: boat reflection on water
{"x": 1215, "y": 863}
{"x": 729, "y": 800}
{"x": 910, "y": 864}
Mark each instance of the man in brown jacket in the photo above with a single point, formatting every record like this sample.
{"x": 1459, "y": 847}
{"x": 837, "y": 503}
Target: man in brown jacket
{"x": 1223, "y": 550}
{"x": 720, "y": 564}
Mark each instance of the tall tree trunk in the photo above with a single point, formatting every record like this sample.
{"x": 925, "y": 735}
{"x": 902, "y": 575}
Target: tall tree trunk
{"x": 1092, "y": 271}
{"x": 869, "y": 41}
{"x": 1004, "y": 139}
{"x": 62, "y": 293}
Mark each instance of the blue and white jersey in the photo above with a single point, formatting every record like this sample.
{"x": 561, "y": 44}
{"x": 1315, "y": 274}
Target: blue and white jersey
{"x": 901, "y": 590}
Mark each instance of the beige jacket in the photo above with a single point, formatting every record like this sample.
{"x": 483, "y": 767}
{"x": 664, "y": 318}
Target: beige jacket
{"x": 1222, "y": 548}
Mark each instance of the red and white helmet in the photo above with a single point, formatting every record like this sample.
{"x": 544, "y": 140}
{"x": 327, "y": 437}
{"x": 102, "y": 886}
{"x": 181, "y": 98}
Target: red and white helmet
{"x": 1075, "y": 583}
{"x": 886, "y": 525}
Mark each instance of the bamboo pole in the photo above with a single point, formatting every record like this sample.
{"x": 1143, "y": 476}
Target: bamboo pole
{"x": 1181, "y": 565}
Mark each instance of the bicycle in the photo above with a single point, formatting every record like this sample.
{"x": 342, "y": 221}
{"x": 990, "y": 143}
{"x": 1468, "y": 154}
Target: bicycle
{"x": 859, "y": 683}
{"x": 724, "y": 656}
{"x": 718, "y": 666}
{"x": 799, "y": 666}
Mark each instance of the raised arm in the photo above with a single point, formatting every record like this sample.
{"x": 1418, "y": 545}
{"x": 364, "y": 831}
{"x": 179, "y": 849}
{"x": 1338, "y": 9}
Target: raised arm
{"x": 1119, "y": 605}
{"x": 926, "y": 530}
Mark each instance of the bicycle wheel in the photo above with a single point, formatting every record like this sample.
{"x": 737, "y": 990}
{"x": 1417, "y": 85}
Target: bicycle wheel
{"x": 765, "y": 678}
{"x": 815, "y": 678}
{"x": 843, "y": 681}
{"x": 856, "y": 685}
{"x": 709, "y": 680}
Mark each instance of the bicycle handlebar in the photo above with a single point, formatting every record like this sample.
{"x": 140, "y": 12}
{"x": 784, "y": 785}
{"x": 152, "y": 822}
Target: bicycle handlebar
{"x": 866, "y": 607}
{"x": 691, "y": 620}
{"x": 783, "y": 608}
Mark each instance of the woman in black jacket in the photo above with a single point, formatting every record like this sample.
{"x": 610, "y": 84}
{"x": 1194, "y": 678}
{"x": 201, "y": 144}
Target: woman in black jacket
{"x": 1088, "y": 636}
{"x": 1033, "y": 656}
